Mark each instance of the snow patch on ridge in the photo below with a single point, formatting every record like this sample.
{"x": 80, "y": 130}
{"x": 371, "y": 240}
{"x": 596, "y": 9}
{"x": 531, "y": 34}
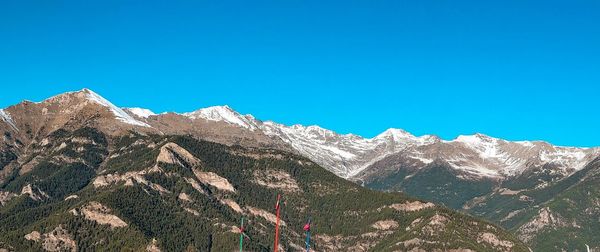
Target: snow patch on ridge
{"x": 345, "y": 155}
{"x": 337, "y": 151}
{"x": 565, "y": 156}
{"x": 486, "y": 146}
{"x": 6, "y": 117}
{"x": 119, "y": 113}
{"x": 141, "y": 112}
{"x": 223, "y": 113}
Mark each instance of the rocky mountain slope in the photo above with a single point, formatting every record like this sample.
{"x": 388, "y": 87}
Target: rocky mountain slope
{"x": 85, "y": 189}
{"x": 563, "y": 215}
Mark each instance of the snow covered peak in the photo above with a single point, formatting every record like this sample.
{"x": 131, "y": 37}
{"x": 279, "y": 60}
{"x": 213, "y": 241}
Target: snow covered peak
{"x": 507, "y": 158}
{"x": 141, "y": 112}
{"x": 400, "y": 136}
{"x": 396, "y": 134}
{"x": 119, "y": 113}
{"x": 223, "y": 113}
{"x": 6, "y": 117}
{"x": 475, "y": 139}
{"x": 314, "y": 131}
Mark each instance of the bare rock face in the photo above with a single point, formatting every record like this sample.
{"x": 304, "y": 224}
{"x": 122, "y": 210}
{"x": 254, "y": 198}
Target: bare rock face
{"x": 414, "y": 223}
{"x": 192, "y": 211}
{"x": 70, "y": 197}
{"x": 385, "y": 225}
{"x": 196, "y": 185}
{"x": 171, "y": 153}
{"x": 276, "y": 180}
{"x": 129, "y": 178}
{"x": 5, "y": 197}
{"x": 185, "y": 197}
{"x": 58, "y": 239}
{"x": 233, "y": 205}
{"x": 153, "y": 246}
{"x": 213, "y": 179}
{"x": 264, "y": 214}
{"x": 34, "y": 193}
{"x": 411, "y": 206}
{"x": 101, "y": 214}
{"x": 33, "y": 236}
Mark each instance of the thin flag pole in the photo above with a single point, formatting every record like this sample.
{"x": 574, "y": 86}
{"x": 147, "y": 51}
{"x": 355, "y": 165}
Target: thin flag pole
{"x": 242, "y": 235}
{"x": 277, "y": 207}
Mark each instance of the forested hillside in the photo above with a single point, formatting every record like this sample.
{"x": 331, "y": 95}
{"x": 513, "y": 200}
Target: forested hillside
{"x": 84, "y": 190}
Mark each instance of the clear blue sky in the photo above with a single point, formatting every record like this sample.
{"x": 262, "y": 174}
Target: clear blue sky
{"x": 510, "y": 69}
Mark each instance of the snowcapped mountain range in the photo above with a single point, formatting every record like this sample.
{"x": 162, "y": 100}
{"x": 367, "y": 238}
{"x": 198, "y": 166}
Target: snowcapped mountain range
{"x": 349, "y": 155}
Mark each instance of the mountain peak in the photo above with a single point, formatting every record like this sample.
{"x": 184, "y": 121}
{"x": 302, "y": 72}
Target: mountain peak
{"x": 119, "y": 113}
{"x": 86, "y": 90}
{"x": 222, "y": 113}
{"x": 87, "y": 95}
{"x": 397, "y": 134}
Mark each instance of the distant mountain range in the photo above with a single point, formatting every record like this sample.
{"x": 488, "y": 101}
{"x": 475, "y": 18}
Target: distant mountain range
{"x": 536, "y": 190}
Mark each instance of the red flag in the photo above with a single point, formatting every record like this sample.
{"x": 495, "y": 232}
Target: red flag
{"x": 277, "y": 209}
{"x": 277, "y": 204}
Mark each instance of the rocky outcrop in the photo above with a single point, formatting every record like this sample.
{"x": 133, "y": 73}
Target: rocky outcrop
{"x": 153, "y": 246}
{"x": 264, "y": 214}
{"x": 34, "y": 193}
{"x": 233, "y": 205}
{"x": 196, "y": 185}
{"x": 192, "y": 211}
{"x": 385, "y": 225}
{"x": 128, "y": 178}
{"x": 411, "y": 206}
{"x": 71, "y": 197}
{"x": 58, "y": 239}
{"x": 276, "y": 180}
{"x": 211, "y": 178}
{"x": 184, "y": 197}
{"x": 5, "y": 197}
{"x": 99, "y": 213}
{"x": 33, "y": 236}
{"x": 172, "y": 153}
{"x": 414, "y": 223}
